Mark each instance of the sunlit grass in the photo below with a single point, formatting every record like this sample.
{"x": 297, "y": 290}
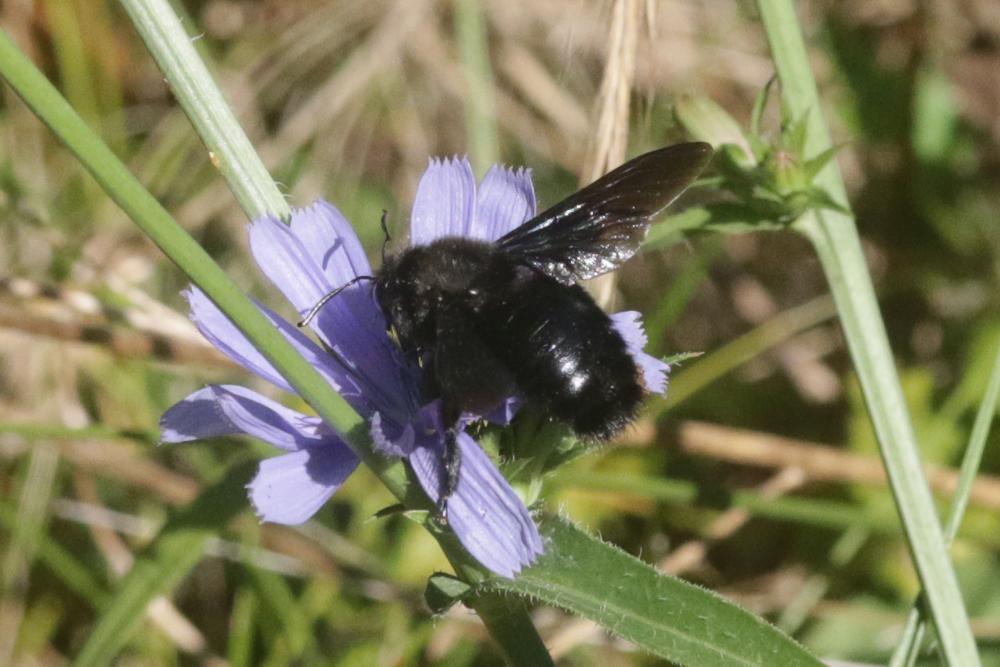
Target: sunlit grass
{"x": 347, "y": 100}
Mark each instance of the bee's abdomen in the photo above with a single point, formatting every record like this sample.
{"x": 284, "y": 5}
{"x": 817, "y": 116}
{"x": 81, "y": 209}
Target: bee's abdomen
{"x": 565, "y": 354}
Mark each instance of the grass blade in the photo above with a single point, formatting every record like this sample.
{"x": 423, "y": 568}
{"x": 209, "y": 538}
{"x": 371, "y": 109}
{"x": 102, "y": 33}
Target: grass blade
{"x": 835, "y": 238}
{"x": 229, "y": 149}
{"x": 150, "y": 216}
{"x": 177, "y": 244}
{"x": 913, "y": 633}
{"x": 163, "y": 565}
{"x": 480, "y": 108}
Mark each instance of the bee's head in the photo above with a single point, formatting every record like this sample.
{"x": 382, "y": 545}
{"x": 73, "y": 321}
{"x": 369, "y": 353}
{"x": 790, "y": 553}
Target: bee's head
{"x": 411, "y": 286}
{"x": 403, "y": 300}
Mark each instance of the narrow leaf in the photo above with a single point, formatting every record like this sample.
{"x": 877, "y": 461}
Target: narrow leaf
{"x": 63, "y": 564}
{"x": 795, "y": 134}
{"x": 681, "y": 357}
{"x": 164, "y": 564}
{"x": 759, "y": 105}
{"x": 815, "y": 165}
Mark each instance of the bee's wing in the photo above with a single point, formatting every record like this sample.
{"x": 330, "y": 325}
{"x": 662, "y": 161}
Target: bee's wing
{"x": 598, "y": 228}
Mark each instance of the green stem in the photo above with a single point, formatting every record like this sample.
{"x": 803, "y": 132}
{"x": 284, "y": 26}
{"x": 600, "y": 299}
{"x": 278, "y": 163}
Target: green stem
{"x": 192, "y": 84}
{"x": 480, "y": 109}
{"x": 913, "y": 634}
{"x": 228, "y": 147}
{"x": 184, "y": 251}
{"x": 836, "y": 241}
{"x": 509, "y": 624}
{"x": 506, "y": 618}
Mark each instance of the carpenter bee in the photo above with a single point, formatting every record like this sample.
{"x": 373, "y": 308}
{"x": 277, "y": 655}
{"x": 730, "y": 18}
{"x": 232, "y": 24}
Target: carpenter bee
{"x": 487, "y": 320}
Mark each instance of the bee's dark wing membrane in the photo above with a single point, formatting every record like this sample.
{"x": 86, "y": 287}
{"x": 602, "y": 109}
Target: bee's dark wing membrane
{"x": 601, "y": 226}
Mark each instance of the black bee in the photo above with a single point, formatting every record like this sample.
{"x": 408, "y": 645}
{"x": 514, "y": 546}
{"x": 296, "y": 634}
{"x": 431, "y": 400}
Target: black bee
{"x": 487, "y": 320}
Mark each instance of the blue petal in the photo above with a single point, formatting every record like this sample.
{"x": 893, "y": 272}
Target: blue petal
{"x": 222, "y": 333}
{"x": 654, "y": 371}
{"x": 445, "y": 203}
{"x": 486, "y": 514}
{"x": 505, "y": 201}
{"x": 220, "y": 410}
{"x": 330, "y": 241}
{"x": 308, "y": 260}
{"x": 290, "y": 488}
{"x": 504, "y": 413}
{"x": 389, "y": 438}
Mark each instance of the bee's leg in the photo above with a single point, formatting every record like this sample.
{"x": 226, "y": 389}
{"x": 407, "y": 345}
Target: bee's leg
{"x": 468, "y": 377}
{"x": 452, "y": 460}
{"x": 452, "y": 464}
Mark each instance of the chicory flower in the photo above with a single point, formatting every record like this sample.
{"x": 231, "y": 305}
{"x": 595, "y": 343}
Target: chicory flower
{"x": 306, "y": 259}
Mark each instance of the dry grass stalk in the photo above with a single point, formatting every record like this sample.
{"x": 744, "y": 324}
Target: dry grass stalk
{"x": 819, "y": 462}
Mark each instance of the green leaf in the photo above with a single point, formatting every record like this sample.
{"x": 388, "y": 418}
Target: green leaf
{"x": 284, "y": 608}
{"x": 705, "y": 120}
{"x": 815, "y": 165}
{"x": 164, "y": 564}
{"x": 816, "y": 512}
{"x": 671, "y": 618}
{"x": 795, "y": 134}
{"x": 724, "y": 217}
{"x": 814, "y": 197}
{"x": 759, "y": 105}
{"x": 731, "y": 218}
{"x": 443, "y": 591}
{"x": 681, "y": 357}
{"x": 241, "y": 628}
{"x": 936, "y": 115}
{"x": 670, "y": 230}
{"x": 760, "y": 147}
{"x": 390, "y": 510}
{"x": 62, "y": 563}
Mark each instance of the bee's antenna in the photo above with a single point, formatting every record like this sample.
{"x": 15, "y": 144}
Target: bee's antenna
{"x": 314, "y": 311}
{"x": 385, "y": 231}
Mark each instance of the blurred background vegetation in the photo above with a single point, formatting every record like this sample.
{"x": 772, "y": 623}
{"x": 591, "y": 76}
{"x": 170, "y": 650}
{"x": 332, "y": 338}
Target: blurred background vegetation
{"x": 756, "y": 476}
